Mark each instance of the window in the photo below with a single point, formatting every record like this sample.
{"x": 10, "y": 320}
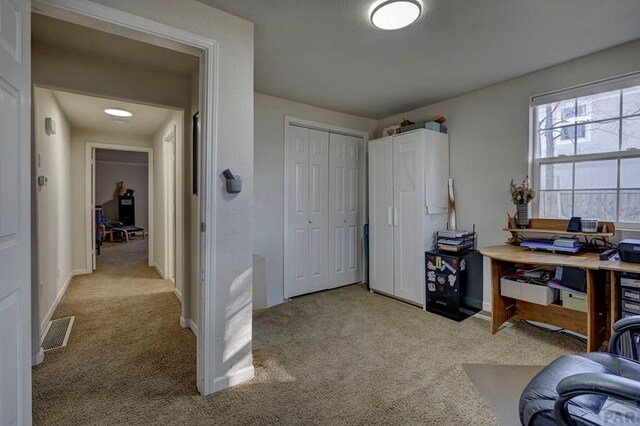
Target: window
{"x": 587, "y": 152}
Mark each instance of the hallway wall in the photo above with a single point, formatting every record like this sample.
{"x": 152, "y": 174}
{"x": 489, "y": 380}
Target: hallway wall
{"x": 53, "y": 202}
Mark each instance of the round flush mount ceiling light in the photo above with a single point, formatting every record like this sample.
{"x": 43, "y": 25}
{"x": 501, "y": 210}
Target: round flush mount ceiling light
{"x": 116, "y": 112}
{"x": 395, "y": 14}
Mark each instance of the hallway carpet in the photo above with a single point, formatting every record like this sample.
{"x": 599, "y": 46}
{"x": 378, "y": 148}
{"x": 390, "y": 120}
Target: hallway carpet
{"x": 341, "y": 357}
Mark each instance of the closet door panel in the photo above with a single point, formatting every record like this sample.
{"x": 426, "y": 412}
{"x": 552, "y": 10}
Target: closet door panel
{"x": 408, "y": 196}
{"x": 344, "y": 262}
{"x": 381, "y": 215}
{"x": 318, "y": 208}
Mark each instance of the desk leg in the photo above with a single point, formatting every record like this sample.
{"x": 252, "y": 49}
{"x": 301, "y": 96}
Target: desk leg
{"x": 502, "y": 308}
{"x": 596, "y": 314}
{"x": 614, "y": 302}
{"x": 126, "y": 235}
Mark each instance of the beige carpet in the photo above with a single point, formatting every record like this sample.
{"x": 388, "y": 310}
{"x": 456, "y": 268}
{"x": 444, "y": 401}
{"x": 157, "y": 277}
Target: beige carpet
{"x": 339, "y": 357}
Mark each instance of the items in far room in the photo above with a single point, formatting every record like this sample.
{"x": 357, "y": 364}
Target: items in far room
{"x": 594, "y": 388}
{"x": 127, "y": 209}
{"x": 522, "y": 195}
{"x": 408, "y": 203}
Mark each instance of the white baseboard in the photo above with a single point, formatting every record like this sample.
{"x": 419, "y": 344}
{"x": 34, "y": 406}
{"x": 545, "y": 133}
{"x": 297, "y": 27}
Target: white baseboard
{"x": 54, "y": 305}
{"x": 194, "y": 327}
{"x": 234, "y": 378}
{"x": 81, "y": 272}
{"x": 178, "y": 294}
{"x": 486, "y": 306}
{"x": 159, "y": 270}
{"x": 38, "y": 358}
{"x": 188, "y": 323}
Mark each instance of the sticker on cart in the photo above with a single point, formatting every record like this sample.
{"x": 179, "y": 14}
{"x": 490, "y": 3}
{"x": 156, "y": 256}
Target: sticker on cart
{"x": 463, "y": 265}
{"x": 452, "y": 279}
{"x": 431, "y": 276}
{"x": 445, "y": 265}
{"x": 441, "y": 279}
{"x": 431, "y": 266}
{"x": 439, "y": 263}
{"x": 431, "y": 287}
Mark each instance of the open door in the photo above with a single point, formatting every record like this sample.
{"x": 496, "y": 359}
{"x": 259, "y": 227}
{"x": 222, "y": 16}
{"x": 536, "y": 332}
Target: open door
{"x": 92, "y": 208}
{"x": 170, "y": 185}
{"x": 15, "y": 213}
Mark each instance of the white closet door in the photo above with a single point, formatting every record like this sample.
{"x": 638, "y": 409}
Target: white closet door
{"x": 344, "y": 262}
{"x": 381, "y": 215}
{"x": 306, "y": 247}
{"x": 318, "y": 209}
{"x": 408, "y": 196}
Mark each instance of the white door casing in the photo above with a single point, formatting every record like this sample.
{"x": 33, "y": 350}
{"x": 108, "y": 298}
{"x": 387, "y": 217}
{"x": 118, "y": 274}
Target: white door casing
{"x": 381, "y": 215}
{"x": 408, "y": 193}
{"x": 344, "y": 262}
{"x": 15, "y": 213}
{"x": 306, "y": 227}
{"x": 92, "y": 208}
{"x": 170, "y": 209}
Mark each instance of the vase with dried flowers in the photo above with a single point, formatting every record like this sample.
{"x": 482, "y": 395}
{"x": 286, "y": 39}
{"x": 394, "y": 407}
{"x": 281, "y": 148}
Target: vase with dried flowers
{"x": 521, "y": 195}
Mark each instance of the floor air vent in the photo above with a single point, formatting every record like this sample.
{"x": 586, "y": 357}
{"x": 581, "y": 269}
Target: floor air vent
{"x": 57, "y": 333}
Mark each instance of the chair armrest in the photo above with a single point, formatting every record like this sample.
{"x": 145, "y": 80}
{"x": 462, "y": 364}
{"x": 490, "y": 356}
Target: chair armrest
{"x": 621, "y": 327}
{"x": 603, "y": 384}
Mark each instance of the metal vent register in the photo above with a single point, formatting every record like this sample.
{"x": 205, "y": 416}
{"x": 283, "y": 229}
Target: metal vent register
{"x": 57, "y": 333}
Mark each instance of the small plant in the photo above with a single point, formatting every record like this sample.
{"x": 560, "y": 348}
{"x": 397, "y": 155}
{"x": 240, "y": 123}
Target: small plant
{"x": 522, "y": 194}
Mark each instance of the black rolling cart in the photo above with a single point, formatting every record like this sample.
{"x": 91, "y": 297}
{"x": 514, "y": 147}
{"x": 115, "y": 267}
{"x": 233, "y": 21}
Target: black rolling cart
{"x": 453, "y": 283}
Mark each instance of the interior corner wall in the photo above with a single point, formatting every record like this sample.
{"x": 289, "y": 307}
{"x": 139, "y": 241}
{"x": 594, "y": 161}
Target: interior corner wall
{"x": 489, "y": 133}
{"x": 135, "y": 176}
{"x": 53, "y": 203}
{"x": 79, "y": 203}
{"x": 231, "y": 286}
{"x": 268, "y": 216}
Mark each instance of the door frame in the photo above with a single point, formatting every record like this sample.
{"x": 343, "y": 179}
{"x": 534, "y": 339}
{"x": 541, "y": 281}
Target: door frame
{"x": 126, "y": 24}
{"x": 89, "y": 193}
{"x": 362, "y": 167}
{"x": 170, "y": 219}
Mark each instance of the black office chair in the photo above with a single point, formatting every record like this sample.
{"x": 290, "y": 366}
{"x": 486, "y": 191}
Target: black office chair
{"x": 596, "y": 388}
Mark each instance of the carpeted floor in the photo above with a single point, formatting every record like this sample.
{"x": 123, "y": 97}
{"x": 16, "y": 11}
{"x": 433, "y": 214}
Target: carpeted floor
{"x": 339, "y": 357}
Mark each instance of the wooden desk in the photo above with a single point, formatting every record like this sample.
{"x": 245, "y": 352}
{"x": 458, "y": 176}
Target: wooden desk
{"x": 593, "y": 323}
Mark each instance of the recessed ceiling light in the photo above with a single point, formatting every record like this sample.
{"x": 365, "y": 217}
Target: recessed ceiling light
{"x": 116, "y": 112}
{"x": 395, "y": 14}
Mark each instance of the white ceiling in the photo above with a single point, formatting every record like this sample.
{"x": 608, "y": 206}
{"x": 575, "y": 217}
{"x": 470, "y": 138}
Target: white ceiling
{"x": 87, "y": 112}
{"x": 327, "y": 52}
{"x": 121, "y": 156}
{"x": 46, "y": 31}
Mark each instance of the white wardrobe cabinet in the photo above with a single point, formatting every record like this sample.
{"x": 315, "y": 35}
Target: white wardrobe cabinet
{"x": 322, "y": 243}
{"x": 408, "y": 204}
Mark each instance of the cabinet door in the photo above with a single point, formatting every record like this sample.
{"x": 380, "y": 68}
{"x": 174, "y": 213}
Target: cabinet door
{"x": 381, "y": 215}
{"x": 344, "y": 262}
{"x": 306, "y": 223}
{"x": 408, "y": 203}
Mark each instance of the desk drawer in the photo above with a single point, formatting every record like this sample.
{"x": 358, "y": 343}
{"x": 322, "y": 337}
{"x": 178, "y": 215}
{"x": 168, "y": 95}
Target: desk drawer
{"x": 630, "y": 280}
{"x": 631, "y": 307}
{"x": 631, "y": 294}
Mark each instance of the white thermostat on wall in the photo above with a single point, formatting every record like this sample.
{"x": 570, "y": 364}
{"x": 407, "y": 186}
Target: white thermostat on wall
{"x": 49, "y": 126}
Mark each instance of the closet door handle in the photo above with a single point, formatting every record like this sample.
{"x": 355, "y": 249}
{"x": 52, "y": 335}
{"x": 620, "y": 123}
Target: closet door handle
{"x": 395, "y": 217}
{"x": 389, "y": 216}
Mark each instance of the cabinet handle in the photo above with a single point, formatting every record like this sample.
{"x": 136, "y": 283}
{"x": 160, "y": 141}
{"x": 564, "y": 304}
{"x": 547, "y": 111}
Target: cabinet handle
{"x": 395, "y": 217}
{"x": 345, "y": 220}
{"x": 389, "y": 216}
{"x": 310, "y": 221}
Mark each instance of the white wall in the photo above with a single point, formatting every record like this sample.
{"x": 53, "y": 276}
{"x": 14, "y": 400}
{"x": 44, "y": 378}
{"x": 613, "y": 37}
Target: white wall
{"x": 79, "y": 204}
{"x": 135, "y": 176}
{"x": 489, "y": 136}
{"x": 53, "y": 202}
{"x": 268, "y": 216}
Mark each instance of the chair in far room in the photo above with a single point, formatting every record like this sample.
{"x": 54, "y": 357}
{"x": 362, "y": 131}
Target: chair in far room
{"x": 596, "y": 388}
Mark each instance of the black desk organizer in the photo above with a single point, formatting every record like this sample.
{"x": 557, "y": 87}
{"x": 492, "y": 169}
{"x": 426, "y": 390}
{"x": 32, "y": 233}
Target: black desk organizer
{"x": 453, "y": 283}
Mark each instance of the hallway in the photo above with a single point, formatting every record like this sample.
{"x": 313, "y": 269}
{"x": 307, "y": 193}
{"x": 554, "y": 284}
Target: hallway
{"x": 126, "y": 348}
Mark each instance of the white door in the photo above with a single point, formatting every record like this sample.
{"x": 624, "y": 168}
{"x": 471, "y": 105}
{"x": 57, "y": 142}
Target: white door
{"x": 381, "y": 215}
{"x": 170, "y": 211}
{"x": 92, "y": 209}
{"x": 306, "y": 211}
{"x": 408, "y": 193}
{"x": 344, "y": 262}
{"x": 15, "y": 213}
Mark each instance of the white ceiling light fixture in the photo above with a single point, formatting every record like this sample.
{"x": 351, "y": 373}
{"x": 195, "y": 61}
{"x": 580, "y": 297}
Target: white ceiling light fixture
{"x": 396, "y": 14}
{"x": 117, "y": 112}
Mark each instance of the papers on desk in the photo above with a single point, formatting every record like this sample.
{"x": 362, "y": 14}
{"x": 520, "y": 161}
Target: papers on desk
{"x": 549, "y": 246}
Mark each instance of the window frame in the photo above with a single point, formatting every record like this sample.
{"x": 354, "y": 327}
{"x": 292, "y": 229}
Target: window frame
{"x": 535, "y": 163}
